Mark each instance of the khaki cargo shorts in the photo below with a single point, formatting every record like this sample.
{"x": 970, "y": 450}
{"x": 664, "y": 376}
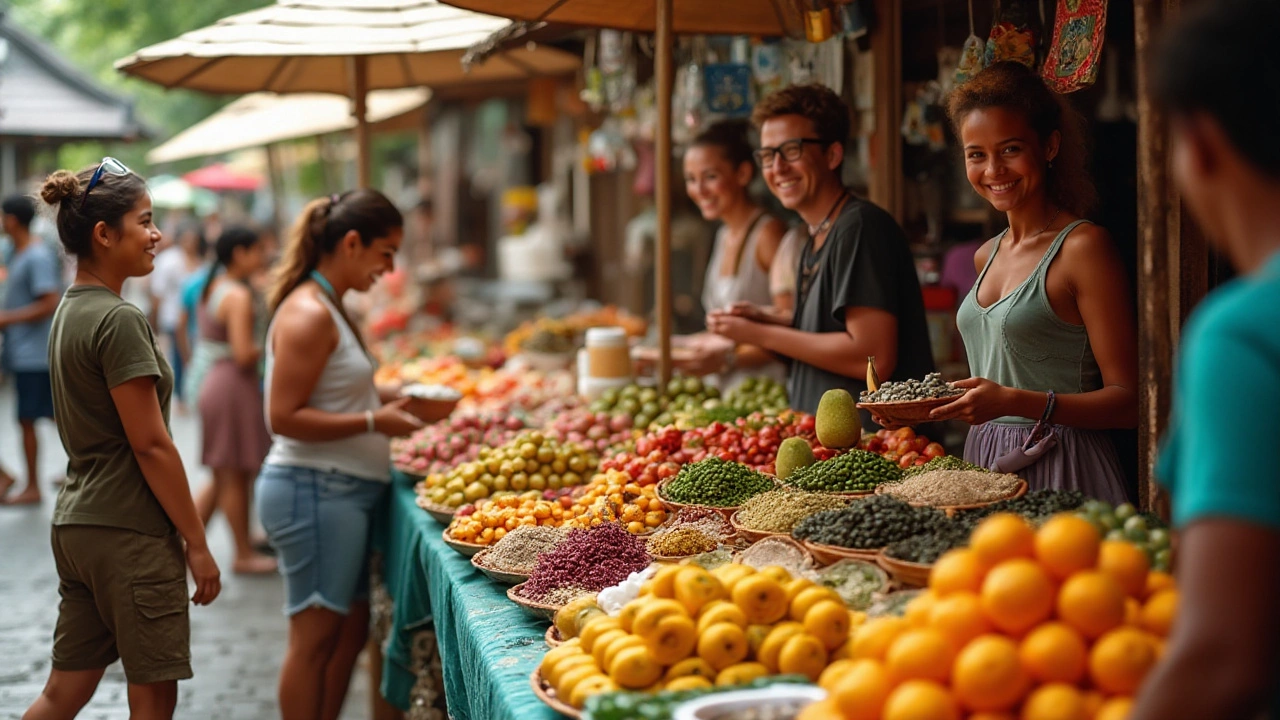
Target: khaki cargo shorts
{"x": 124, "y": 595}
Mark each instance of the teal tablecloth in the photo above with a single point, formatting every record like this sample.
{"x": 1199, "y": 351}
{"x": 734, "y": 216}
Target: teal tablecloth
{"x": 488, "y": 646}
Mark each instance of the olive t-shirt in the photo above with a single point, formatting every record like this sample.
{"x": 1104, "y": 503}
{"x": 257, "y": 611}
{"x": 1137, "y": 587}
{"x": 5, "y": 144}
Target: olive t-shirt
{"x": 98, "y": 342}
{"x": 865, "y": 262}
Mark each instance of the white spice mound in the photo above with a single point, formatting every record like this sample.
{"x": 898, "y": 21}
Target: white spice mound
{"x": 775, "y": 551}
{"x": 952, "y": 487}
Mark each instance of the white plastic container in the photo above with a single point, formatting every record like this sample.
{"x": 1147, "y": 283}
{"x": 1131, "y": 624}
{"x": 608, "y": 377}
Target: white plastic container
{"x": 787, "y": 699}
{"x": 608, "y": 356}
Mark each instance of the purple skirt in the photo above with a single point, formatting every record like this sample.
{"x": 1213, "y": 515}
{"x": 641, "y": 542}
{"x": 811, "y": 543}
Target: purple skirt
{"x": 1083, "y": 460}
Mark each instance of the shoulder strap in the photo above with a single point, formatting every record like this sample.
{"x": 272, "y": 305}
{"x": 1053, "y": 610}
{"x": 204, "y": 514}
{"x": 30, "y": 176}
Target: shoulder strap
{"x": 1057, "y": 245}
{"x": 746, "y": 240}
{"x": 990, "y": 258}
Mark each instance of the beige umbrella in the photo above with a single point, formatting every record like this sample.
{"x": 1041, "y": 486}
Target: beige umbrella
{"x": 663, "y": 18}
{"x": 347, "y": 47}
{"x": 261, "y": 119}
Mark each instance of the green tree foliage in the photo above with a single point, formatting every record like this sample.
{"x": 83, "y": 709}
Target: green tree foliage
{"x": 93, "y": 34}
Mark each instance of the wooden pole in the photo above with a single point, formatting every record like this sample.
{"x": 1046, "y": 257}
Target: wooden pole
{"x": 358, "y": 66}
{"x": 662, "y": 188}
{"x": 1156, "y": 328}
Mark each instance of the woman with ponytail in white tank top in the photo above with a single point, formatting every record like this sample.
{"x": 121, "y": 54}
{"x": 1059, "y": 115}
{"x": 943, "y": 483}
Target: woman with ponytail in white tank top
{"x": 330, "y": 430}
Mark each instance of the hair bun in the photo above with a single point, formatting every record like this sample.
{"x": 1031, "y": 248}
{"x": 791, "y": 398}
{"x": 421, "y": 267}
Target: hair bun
{"x": 59, "y": 186}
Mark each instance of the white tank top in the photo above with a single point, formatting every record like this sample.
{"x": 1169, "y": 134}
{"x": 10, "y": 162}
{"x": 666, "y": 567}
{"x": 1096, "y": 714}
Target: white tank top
{"x": 345, "y": 386}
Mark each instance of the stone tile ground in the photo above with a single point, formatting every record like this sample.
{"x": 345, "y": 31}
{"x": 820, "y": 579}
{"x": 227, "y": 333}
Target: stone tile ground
{"x": 237, "y": 642}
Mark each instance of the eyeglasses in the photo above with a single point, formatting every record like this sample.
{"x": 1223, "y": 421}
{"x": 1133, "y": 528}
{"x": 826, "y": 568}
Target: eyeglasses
{"x": 108, "y": 165}
{"x": 789, "y": 150}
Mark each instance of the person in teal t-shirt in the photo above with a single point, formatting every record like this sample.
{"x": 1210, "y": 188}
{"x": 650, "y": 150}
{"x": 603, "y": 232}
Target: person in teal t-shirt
{"x": 1218, "y": 75}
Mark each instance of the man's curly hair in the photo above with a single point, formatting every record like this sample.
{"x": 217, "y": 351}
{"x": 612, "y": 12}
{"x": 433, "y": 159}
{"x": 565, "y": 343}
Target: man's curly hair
{"x": 819, "y": 103}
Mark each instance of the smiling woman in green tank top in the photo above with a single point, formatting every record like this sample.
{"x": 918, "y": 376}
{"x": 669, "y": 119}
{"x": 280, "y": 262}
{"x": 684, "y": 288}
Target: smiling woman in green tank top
{"x": 1049, "y": 326}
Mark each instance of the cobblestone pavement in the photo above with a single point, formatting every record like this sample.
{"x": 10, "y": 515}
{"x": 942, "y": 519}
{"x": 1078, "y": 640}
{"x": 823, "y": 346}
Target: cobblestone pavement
{"x": 236, "y": 643}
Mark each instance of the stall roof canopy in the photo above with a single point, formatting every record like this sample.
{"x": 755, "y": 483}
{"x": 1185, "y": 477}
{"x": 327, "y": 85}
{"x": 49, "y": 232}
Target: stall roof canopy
{"x": 710, "y": 17}
{"x": 42, "y": 96}
{"x": 304, "y": 45}
{"x": 264, "y": 118}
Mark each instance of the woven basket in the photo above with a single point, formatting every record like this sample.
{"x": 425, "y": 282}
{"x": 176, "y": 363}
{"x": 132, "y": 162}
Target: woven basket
{"x": 547, "y": 694}
{"x": 499, "y": 576}
{"x": 827, "y": 554}
{"x": 674, "y": 507}
{"x": 907, "y": 574}
{"x": 807, "y": 562}
{"x": 465, "y": 549}
{"x": 908, "y": 413}
{"x": 1018, "y": 492}
{"x": 553, "y": 637}
{"x": 542, "y": 611}
{"x": 442, "y": 514}
{"x": 750, "y": 535}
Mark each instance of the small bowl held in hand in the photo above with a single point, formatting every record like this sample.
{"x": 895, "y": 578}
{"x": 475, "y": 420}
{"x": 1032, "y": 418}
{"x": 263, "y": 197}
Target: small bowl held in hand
{"x": 430, "y": 403}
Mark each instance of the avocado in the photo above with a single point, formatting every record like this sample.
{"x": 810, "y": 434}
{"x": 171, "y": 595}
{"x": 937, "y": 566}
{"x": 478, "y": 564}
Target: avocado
{"x": 794, "y": 453}
{"x": 837, "y": 421}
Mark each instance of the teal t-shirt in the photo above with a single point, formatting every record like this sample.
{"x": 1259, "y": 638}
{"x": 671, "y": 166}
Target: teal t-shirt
{"x": 1226, "y": 406}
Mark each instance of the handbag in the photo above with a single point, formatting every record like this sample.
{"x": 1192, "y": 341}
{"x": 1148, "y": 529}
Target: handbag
{"x": 1042, "y": 439}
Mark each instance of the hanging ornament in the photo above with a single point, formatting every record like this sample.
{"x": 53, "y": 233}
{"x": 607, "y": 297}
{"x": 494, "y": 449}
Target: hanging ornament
{"x": 971, "y": 54}
{"x": 817, "y": 24}
{"x": 1012, "y": 38}
{"x": 766, "y": 67}
{"x": 1078, "y": 32}
{"x": 728, "y": 88}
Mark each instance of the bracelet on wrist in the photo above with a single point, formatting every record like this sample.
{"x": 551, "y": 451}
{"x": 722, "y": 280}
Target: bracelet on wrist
{"x": 368, "y": 421}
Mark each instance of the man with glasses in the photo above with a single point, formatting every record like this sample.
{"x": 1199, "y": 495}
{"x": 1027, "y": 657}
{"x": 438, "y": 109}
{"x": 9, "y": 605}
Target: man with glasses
{"x": 857, "y": 294}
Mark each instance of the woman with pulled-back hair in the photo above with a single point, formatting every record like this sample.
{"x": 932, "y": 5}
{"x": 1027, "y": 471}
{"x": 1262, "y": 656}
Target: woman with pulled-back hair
{"x": 225, "y": 381}
{"x": 330, "y": 425}
{"x": 124, "y": 518}
{"x": 718, "y": 168}
{"x": 1049, "y": 325}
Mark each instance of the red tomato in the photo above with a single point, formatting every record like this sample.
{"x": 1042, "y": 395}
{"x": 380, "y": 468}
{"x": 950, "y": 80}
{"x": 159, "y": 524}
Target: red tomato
{"x": 919, "y": 444}
{"x": 905, "y": 433}
{"x": 908, "y": 459}
{"x": 934, "y": 450}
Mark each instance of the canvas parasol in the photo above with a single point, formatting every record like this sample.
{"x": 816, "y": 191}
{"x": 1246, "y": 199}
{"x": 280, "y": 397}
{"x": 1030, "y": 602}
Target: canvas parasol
{"x": 347, "y": 47}
{"x": 663, "y": 18}
{"x": 261, "y": 119}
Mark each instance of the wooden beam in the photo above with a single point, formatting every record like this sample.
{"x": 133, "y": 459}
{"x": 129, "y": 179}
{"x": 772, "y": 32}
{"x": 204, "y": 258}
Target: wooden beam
{"x": 885, "y": 179}
{"x": 358, "y": 67}
{"x": 1157, "y": 237}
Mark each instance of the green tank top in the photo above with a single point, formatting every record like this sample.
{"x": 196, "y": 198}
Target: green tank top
{"x": 1020, "y": 342}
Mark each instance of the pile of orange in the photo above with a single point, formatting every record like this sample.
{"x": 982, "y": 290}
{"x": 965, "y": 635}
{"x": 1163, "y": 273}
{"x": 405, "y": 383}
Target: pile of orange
{"x": 609, "y": 496}
{"x": 1053, "y": 624}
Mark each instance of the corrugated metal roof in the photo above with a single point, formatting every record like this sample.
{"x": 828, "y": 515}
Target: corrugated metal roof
{"x": 44, "y": 96}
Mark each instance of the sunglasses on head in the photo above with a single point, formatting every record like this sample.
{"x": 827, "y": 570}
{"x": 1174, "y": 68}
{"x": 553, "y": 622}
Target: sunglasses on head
{"x": 108, "y": 165}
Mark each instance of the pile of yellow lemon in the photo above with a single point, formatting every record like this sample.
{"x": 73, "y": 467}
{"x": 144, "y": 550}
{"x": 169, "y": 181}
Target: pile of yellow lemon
{"x": 693, "y": 628}
{"x": 1052, "y": 624}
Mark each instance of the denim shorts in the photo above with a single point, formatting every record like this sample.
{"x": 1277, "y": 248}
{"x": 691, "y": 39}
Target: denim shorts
{"x": 318, "y": 522}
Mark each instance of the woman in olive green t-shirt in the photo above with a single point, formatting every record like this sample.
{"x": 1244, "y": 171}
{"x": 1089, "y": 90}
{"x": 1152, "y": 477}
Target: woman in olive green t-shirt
{"x": 121, "y": 566}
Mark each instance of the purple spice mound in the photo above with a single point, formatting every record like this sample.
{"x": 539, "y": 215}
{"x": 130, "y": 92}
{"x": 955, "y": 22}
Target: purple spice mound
{"x": 593, "y": 559}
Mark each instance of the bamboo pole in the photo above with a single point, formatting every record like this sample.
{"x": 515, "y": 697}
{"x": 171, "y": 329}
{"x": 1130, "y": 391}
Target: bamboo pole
{"x": 662, "y": 267}
{"x": 359, "y": 69}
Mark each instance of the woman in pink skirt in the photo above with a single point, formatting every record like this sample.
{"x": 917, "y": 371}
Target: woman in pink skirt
{"x": 225, "y": 373}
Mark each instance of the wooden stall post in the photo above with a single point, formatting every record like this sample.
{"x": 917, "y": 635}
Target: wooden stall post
{"x": 662, "y": 256}
{"x": 885, "y": 179}
{"x": 359, "y": 69}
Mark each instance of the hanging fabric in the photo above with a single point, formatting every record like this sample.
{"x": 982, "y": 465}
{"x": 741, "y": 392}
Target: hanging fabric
{"x": 1013, "y": 35}
{"x": 971, "y": 53}
{"x": 1078, "y": 33}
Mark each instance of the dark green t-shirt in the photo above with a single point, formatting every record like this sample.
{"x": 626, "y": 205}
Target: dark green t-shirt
{"x": 865, "y": 262}
{"x": 98, "y": 342}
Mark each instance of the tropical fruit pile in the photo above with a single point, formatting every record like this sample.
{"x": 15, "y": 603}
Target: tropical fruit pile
{"x": 608, "y": 497}
{"x": 694, "y": 628}
{"x": 529, "y": 461}
{"x": 1048, "y": 624}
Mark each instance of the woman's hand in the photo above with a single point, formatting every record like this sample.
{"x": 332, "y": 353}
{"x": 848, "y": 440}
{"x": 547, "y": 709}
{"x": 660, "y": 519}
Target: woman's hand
{"x": 983, "y": 402}
{"x": 701, "y": 361}
{"x": 393, "y": 420}
{"x": 755, "y": 313}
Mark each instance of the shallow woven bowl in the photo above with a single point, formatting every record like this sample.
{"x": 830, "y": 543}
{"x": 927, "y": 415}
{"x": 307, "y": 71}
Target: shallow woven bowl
{"x": 553, "y": 637}
{"x": 907, "y": 574}
{"x": 674, "y": 507}
{"x": 908, "y": 413}
{"x": 465, "y": 549}
{"x": 808, "y": 561}
{"x": 442, "y": 514}
{"x": 542, "y": 611}
{"x": 827, "y": 554}
{"x": 547, "y": 694}
{"x": 500, "y": 576}
{"x": 750, "y": 535}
